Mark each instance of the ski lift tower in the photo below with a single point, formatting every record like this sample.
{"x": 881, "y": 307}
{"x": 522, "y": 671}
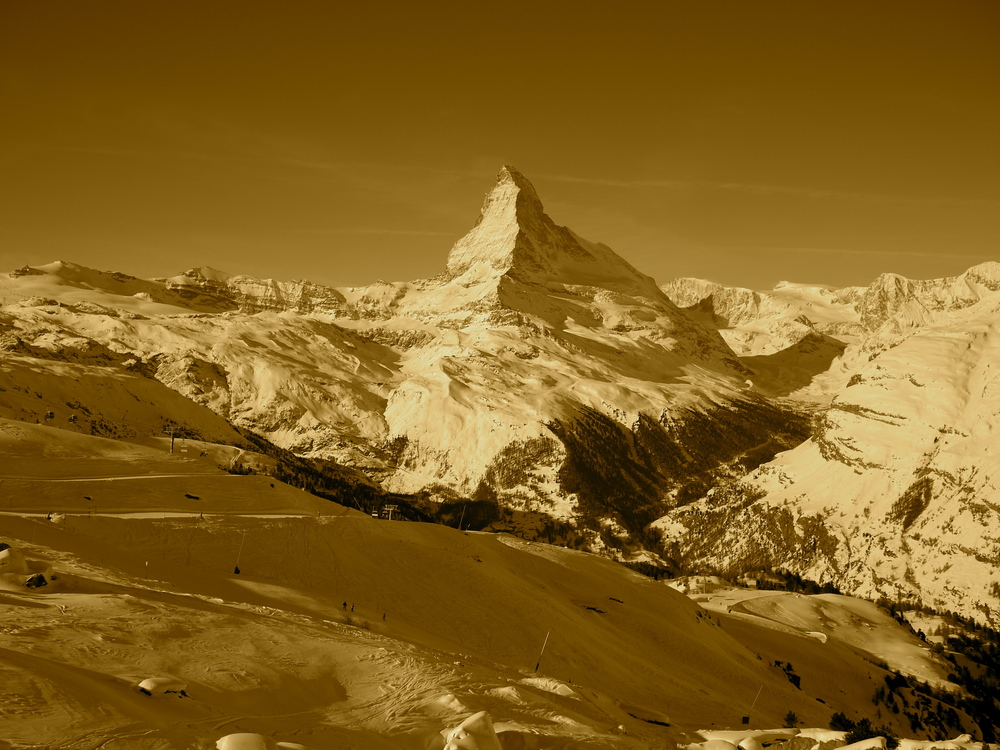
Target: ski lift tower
{"x": 389, "y": 509}
{"x": 171, "y": 430}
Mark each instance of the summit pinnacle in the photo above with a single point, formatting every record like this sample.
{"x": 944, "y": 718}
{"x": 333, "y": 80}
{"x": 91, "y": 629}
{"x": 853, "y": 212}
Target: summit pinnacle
{"x": 514, "y": 236}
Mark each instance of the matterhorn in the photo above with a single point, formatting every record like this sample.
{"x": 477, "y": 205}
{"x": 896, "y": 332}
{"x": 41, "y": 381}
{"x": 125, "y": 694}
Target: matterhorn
{"x": 542, "y": 385}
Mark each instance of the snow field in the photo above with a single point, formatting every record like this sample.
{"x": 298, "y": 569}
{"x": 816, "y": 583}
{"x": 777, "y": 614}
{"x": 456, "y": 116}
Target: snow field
{"x": 269, "y": 651}
{"x": 274, "y": 652}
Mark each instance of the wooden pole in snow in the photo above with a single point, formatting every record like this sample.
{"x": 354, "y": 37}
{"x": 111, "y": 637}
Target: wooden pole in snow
{"x": 746, "y": 719}
{"x": 539, "y": 662}
{"x": 237, "y": 567}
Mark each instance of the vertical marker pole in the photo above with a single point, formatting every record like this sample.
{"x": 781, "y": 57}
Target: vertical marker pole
{"x": 539, "y": 662}
{"x": 238, "y": 554}
{"x": 746, "y": 719}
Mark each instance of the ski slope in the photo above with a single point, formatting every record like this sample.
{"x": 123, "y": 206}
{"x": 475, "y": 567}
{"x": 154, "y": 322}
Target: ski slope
{"x": 628, "y": 662}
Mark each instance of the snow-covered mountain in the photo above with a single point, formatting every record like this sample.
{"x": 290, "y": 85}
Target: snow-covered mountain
{"x": 543, "y": 377}
{"x": 539, "y": 370}
{"x": 903, "y": 303}
{"x": 897, "y": 492}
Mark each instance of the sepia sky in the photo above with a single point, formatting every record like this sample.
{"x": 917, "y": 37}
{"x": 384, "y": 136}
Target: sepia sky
{"x": 744, "y": 141}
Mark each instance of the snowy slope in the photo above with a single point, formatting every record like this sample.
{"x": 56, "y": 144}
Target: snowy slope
{"x": 763, "y": 327}
{"x": 144, "y": 587}
{"x": 757, "y": 323}
{"x": 539, "y": 369}
{"x": 101, "y": 291}
{"x": 897, "y": 493}
{"x": 98, "y": 399}
{"x": 905, "y": 303}
{"x": 834, "y": 646}
{"x": 141, "y": 590}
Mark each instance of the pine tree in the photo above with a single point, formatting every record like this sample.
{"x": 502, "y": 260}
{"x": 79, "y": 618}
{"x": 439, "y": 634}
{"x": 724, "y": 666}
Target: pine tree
{"x": 841, "y": 723}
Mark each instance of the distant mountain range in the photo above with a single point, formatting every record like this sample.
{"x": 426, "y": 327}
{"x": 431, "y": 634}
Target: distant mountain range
{"x": 842, "y": 434}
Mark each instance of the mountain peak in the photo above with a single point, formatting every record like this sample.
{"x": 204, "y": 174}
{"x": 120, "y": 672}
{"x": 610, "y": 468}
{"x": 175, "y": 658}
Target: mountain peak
{"x": 514, "y": 236}
{"x": 511, "y": 207}
{"x": 207, "y": 272}
{"x": 510, "y": 175}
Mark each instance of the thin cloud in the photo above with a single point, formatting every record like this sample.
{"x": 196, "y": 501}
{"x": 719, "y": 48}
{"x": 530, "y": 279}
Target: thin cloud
{"x": 869, "y": 253}
{"x": 604, "y": 182}
{"x": 365, "y": 171}
{"x": 766, "y": 189}
{"x": 369, "y": 168}
{"x": 157, "y": 154}
{"x": 370, "y": 231}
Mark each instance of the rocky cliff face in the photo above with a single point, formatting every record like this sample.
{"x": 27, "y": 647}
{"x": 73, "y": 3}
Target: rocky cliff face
{"x": 894, "y": 304}
{"x": 250, "y": 295}
{"x": 897, "y": 493}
